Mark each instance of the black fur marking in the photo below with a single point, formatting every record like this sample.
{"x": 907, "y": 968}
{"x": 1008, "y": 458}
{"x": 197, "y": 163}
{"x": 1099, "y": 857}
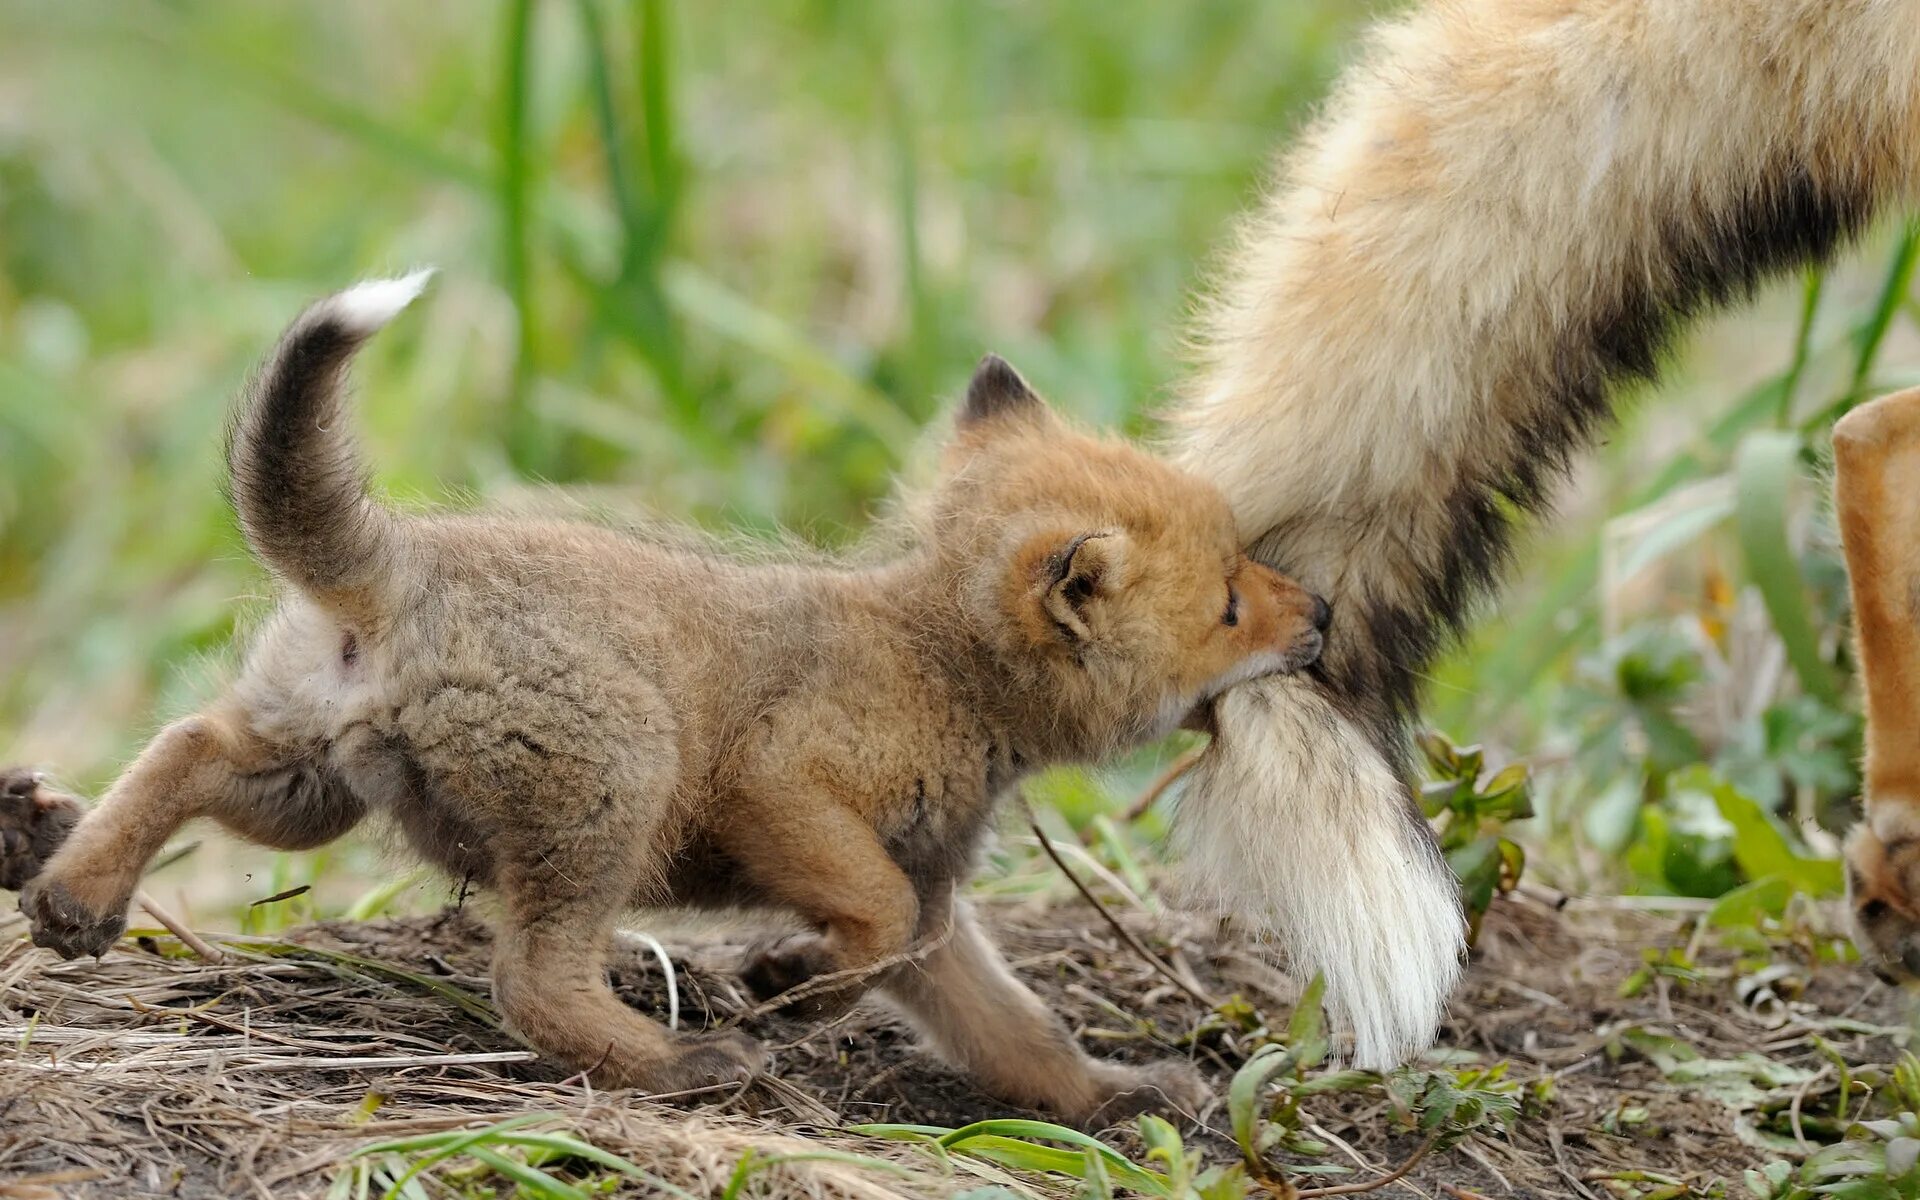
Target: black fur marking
{"x": 1787, "y": 222}
{"x": 996, "y": 389}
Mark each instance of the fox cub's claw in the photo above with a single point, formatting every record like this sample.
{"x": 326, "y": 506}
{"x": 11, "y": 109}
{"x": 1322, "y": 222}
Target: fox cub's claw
{"x": 64, "y": 925}
{"x": 34, "y": 821}
{"x": 784, "y": 964}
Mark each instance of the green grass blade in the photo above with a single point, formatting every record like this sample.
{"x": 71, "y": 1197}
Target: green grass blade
{"x": 374, "y": 901}
{"x": 1764, "y": 470}
{"x": 1871, "y": 334}
{"x": 514, "y": 198}
{"x": 532, "y": 1179}
{"x": 1894, "y": 291}
{"x": 606, "y": 115}
{"x": 1802, "y": 340}
{"x": 436, "y": 1141}
{"x": 705, "y": 300}
{"x": 460, "y": 998}
{"x": 656, "y": 112}
{"x": 560, "y": 1143}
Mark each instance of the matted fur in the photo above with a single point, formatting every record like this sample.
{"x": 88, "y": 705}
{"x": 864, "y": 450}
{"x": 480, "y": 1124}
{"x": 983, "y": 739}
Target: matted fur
{"x": 1506, "y": 209}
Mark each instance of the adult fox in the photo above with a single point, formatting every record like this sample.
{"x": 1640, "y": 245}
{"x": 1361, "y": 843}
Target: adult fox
{"x": 1505, "y": 210}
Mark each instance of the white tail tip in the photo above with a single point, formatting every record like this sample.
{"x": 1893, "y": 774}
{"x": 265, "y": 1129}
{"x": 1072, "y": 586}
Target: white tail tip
{"x": 365, "y": 307}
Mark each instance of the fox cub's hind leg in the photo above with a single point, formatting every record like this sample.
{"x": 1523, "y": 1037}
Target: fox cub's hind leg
{"x": 569, "y": 786}
{"x": 986, "y": 1022}
{"x": 549, "y": 971}
{"x": 549, "y": 977}
{"x": 1876, "y": 453}
{"x": 209, "y": 765}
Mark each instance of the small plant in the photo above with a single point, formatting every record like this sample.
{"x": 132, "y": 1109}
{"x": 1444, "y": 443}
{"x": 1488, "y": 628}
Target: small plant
{"x": 1451, "y": 1105}
{"x": 1471, "y": 817}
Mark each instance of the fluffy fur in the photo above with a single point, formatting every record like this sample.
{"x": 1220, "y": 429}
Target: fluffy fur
{"x": 584, "y": 721}
{"x": 1506, "y": 209}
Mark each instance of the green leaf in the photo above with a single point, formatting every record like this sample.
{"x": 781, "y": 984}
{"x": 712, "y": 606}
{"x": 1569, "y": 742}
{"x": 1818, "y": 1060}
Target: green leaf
{"x": 1243, "y": 1095}
{"x": 1760, "y": 843}
{"x": 1744, "y": 906}
{"x": 1307, "y": 1038}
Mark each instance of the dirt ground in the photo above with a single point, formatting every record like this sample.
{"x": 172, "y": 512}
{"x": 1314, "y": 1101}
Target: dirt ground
{"x": 150, "y": 1073}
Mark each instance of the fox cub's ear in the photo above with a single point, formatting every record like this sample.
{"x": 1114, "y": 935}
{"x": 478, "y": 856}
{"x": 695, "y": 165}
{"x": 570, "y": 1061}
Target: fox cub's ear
{"x": 997, "y": 390}
{"x": 1066, "y": 578}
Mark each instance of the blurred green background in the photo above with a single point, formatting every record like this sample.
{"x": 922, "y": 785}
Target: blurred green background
{"x": 723, "y": 261}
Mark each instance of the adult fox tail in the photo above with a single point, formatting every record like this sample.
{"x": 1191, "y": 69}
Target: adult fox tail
{"x": 1506, "y": 209}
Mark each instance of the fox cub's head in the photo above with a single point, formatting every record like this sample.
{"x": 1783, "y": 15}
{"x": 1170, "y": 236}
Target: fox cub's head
{"x": 1111, "y": 585}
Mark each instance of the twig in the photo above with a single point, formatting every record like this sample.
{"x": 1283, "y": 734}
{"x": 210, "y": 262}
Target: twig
{"x": 1180, "y": 766}
{"x": 1354, "y": 1189}
{"x": 178, "y": 928}
{"x": 1799, "y": 1097}
{"x": 1153, "y": 960}
{"x": 830, "y": 980}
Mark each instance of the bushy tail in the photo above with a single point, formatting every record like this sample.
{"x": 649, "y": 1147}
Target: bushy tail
{"x": 1504, "y": 213}
{"x": 297, "y": 480}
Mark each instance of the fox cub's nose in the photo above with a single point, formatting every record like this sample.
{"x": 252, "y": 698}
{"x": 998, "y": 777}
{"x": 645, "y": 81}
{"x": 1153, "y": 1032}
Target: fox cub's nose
{"x": 1322, "y": 615}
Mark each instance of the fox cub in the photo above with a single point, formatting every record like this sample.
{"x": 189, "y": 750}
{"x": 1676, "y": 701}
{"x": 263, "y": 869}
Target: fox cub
{"x": 587, "y": 721}
{"x": 1876, "y": 492}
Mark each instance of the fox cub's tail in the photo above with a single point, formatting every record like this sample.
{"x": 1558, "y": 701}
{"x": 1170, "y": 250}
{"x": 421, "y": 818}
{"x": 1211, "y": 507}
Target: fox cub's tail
{"x": 297, "y": 480}
{"x": 1506, "y": 209}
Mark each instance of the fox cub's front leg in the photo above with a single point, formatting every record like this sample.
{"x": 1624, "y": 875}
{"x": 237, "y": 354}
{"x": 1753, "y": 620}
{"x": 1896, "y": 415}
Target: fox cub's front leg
{"x": 824, "y": 862}
{"x": 1876, "y": 454}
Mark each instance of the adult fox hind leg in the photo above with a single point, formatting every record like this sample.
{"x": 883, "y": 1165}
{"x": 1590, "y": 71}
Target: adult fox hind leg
{"x": 1876, "y": 452}
{"x": 207, "y": 765}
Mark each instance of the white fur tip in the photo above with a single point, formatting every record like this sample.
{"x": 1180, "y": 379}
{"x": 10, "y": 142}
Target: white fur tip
{"x": 1294, "y": 823}
{"x": 365, "y": 307}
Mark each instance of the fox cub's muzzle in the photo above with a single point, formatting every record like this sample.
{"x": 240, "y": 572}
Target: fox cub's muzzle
{"x": 1282, "y": 617}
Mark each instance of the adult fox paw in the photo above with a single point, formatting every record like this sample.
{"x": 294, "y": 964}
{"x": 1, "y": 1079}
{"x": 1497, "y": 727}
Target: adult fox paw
{"x": 34, "y": 821}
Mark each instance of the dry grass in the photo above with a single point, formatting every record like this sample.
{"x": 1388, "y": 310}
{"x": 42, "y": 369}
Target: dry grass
{"x": 153, "y": 1073}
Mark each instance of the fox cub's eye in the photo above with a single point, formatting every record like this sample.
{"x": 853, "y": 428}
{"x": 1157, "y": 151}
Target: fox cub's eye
{"x": 1232, "y": 615}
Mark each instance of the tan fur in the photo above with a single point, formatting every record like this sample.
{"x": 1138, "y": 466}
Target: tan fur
{"x": 588, "y": 721}
{"x": 1505, "y": 207}
{"x": 1876, "y": 490}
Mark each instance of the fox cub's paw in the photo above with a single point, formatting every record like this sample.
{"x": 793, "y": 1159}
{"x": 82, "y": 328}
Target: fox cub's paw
{"x": 34, "y": 821}
{"x": 707, "y": 1060}
{"x": 64, "y": 925}
{"x": 796, "y": 962}
{"x": 1172, "y": 1088}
